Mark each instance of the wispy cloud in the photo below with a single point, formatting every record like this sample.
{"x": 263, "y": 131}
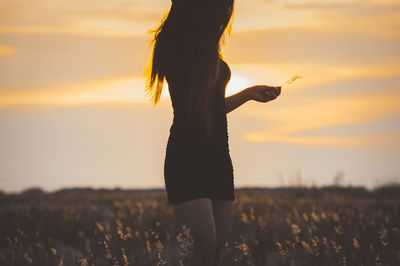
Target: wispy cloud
{"x": 48, "y": 61}
{"x": 122, "y": 90}
{"x": 123, "y": 17}
{"x": 311, "y": 114}
{"x": 347, "y": 7}
{"x": 6, "y": 50}
{"x": 341, "y": 141}
{"x": 378, "y": 17}
{"x": 311, "y": 44}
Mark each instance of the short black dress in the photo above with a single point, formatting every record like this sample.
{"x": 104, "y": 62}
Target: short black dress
{"x": 194, "y": 166}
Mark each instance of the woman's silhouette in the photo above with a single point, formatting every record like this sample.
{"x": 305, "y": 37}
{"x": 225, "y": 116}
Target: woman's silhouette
{"x": 198, "y": 170}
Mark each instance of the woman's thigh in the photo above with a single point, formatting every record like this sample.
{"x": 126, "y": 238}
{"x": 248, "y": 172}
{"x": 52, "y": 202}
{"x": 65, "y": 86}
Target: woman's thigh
{"x": 222, "y": 212}
{"x": 197, "y": 214}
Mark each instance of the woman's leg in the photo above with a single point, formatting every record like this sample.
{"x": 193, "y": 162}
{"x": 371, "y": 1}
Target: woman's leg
{"x": 197, "y": 214}
{"x": 222, "y": 210}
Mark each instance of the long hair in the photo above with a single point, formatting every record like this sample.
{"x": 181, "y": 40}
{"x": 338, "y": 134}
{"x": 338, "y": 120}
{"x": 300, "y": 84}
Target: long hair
{"x": 187, "y": 41}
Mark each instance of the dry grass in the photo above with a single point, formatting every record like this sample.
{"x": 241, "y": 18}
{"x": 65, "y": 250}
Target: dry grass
{"x": 291, "y": 80}
{"x": 271, "y": 227}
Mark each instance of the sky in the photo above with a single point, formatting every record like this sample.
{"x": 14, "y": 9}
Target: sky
{"x": 73, "y": 112}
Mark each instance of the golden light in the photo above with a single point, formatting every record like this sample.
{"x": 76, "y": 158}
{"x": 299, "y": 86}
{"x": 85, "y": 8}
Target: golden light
{"x": 236, "y": 84}
{"x": 6, "y": 50}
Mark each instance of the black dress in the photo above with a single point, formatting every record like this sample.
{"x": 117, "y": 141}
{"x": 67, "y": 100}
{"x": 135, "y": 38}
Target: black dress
{"x": 195, "y": 166}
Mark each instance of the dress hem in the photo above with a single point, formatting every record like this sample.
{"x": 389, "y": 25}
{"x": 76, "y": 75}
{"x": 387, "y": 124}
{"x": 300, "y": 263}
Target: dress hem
{"x": 172, "y": 202}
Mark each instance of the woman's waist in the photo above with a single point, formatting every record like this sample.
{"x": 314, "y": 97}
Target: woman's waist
{"x": 181, "y": 146}
{"x": 198, "y": 134}
{"x": 197, "y": 142}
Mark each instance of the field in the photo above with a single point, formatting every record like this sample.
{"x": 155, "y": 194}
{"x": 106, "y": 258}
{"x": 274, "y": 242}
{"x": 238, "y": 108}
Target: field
{"x": 288, "y": 226}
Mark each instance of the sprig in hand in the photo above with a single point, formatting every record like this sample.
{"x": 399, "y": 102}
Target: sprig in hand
{"x": 291, "y": 80}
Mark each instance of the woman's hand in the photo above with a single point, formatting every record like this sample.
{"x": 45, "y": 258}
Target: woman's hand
{"x": 263, "y": 93}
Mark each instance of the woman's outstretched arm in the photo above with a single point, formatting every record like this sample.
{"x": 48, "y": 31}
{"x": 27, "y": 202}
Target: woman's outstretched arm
{"x": 259, "y": 93}
{"x": 234, "y": 101}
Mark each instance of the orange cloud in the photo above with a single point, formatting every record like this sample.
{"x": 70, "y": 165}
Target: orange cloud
{"x": 371, "y": 17}
{"x": 71, "y": 17}
{"x": 310, "y": 44}
{"x": 6, "y": 50}
{"x": 305, "y": 113}
{"x": 342, "y": 141}
{"x": 128, "y": 89}
{"x": 315, "y": 113}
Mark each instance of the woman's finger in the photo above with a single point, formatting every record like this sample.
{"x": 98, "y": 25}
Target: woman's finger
{"x": 277, "y": 91}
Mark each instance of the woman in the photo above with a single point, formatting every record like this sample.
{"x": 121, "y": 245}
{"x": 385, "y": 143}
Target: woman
{"x": 198, "y": 170}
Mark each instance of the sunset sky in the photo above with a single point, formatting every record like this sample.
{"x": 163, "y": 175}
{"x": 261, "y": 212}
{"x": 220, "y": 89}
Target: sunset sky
{"x": 73, "y": 111}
